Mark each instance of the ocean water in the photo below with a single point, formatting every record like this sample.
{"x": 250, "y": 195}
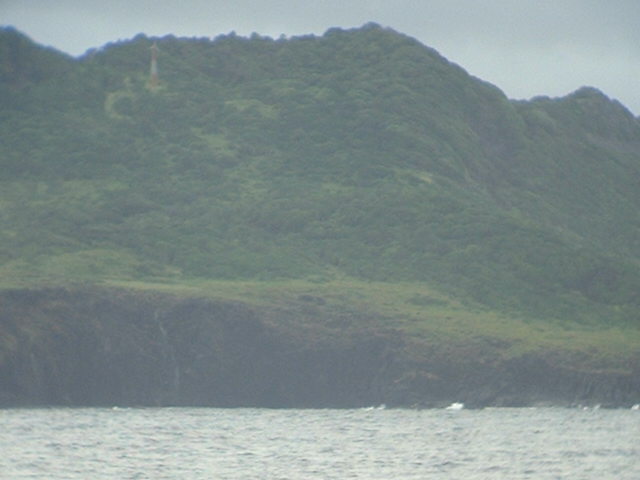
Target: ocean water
{"x": 204, "y": 443}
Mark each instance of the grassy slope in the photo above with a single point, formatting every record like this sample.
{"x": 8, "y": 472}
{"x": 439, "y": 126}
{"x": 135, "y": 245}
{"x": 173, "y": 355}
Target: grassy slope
{"x": 361, "y": 169}
{"x": 424, "y": 314}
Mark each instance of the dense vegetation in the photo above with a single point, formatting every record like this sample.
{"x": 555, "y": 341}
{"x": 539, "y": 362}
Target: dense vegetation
{"x": 359, "y": 156}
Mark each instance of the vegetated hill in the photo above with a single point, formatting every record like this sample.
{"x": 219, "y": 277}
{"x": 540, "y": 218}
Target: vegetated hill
{"x": 359, "y": 153}
{"x": 357, "y": 175}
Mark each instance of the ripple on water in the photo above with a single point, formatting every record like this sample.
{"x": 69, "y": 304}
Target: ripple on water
{"x": 318, "y": 444}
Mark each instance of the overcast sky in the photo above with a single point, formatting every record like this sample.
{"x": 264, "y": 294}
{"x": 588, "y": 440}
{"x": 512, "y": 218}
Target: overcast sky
{"x": 525, "y": 47}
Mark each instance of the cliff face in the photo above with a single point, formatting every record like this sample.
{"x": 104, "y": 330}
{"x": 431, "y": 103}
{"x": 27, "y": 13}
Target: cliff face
{"x": 80, "y": 348}
{"x": 107, "y": 347}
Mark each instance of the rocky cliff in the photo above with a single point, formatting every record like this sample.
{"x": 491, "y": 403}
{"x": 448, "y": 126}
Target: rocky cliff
{"x": 104, "y": 347}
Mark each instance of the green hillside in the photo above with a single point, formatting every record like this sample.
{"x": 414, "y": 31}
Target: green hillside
{"x": 356, "y": 163}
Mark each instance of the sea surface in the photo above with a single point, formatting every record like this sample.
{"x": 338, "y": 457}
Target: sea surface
{"x": 205, "y": 443}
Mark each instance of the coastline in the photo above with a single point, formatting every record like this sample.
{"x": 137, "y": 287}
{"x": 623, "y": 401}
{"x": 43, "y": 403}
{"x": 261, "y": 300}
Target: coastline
{"x": 105, "y": 347}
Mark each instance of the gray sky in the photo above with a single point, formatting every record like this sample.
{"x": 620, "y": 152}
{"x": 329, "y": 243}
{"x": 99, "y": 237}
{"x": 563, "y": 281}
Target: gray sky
{"x": 525, "y": 47}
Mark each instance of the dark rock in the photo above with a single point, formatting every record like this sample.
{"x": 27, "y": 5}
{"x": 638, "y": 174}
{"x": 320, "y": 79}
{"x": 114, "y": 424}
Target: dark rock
{"x": 110, "y": 347}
